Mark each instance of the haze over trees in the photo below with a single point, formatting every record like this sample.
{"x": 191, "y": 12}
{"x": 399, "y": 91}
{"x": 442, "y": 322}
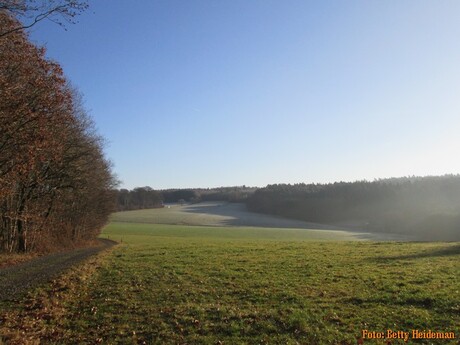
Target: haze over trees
{"x": 56, "y": 187}
{"x": 425, "y": 207}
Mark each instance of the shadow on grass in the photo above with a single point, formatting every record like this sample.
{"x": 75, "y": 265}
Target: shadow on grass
{"x": 439, "y": 252}
{"x": 236, "y": 214}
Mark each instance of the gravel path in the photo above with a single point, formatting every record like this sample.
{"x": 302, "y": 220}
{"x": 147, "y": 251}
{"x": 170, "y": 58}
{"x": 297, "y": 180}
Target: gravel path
{"x": 17, "y": 279}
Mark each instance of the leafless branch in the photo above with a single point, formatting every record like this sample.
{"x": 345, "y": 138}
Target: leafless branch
{"x": 32, "y": 12}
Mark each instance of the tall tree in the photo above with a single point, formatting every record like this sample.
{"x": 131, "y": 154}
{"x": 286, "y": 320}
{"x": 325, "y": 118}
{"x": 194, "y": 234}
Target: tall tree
{"x": 55, "y": 184}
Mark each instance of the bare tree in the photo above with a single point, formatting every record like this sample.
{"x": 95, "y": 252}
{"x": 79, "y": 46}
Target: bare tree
{"x": 31, "y": 12}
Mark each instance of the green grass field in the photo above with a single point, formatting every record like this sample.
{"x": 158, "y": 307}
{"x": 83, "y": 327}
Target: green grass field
{"x": 135, "y": 232}
{"x": 236, "y": 217}
{"x": 173, "y": 215}
{"x": 169, "y": 284}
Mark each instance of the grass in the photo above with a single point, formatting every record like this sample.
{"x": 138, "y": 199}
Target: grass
{"x": 172, "y": 215}
{"x": 243, "y": 222}
{"x": 205, "y": 290}
{"x": 169, "y": 284}
{"x": 177, "y": 285}
{"x": 135, "y": 232}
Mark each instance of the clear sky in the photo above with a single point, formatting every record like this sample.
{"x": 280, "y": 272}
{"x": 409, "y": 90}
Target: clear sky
{"x": 220, "y": 93}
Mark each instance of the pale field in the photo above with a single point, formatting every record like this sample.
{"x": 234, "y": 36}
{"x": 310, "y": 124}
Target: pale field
{"x": 222, "y": 214}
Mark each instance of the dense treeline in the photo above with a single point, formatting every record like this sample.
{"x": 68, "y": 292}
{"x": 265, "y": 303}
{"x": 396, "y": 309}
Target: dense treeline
{"x": 146, "y": 197}
{"x": 230, "y": 194}
{"x": 428, "y": 208}
{"x": 56, "y": 187}
{"x": 138, "y": 198}
{"x": 179, "y": 195}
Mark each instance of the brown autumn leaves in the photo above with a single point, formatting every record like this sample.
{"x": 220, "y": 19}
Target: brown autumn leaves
{"x": 56, "y": 187}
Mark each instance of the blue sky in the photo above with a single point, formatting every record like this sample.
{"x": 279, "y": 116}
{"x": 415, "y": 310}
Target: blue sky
{"x": 221, "y": 93}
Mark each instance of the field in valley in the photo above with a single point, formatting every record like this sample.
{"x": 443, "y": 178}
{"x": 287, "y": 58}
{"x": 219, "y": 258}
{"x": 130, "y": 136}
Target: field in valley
{"x": 183, "y": 284}
{"x": 211, "y": 214}
{"x": 223, "y": 214}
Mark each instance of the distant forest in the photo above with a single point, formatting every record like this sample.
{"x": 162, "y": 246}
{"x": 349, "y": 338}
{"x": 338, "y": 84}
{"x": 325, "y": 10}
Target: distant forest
{"x": 146, "y": 197}
{"x": 426, "y": 207}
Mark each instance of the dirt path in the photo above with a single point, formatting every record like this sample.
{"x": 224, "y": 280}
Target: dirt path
{"x": 17, "y": 279}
